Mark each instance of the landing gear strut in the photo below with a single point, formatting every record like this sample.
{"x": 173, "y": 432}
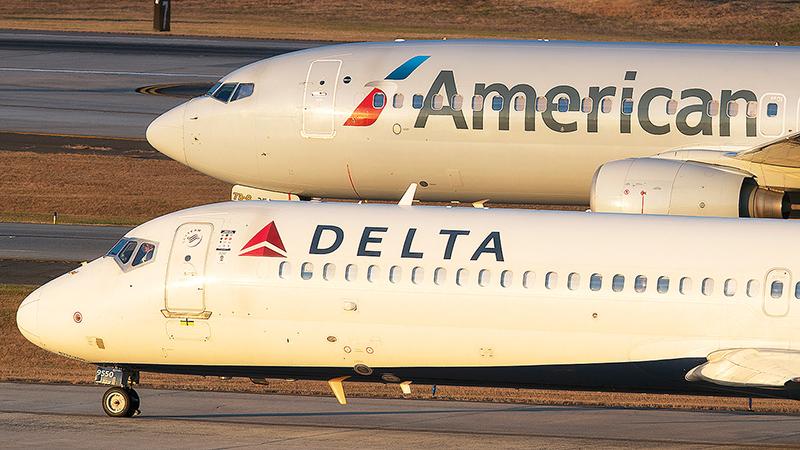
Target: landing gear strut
{"x": 120, "y": 400}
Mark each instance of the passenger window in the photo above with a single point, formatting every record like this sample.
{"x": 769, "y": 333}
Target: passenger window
{"x": 733, "y": 109}
{"x": 707, "y": 287}
{"x": 117, "y": 247}
{"x": 563, "y": 104}
{"x": 618, "y": 283}
{"x": 394, "y": 274}
{"x": 640, "y": 283}
{"x": 672, "y": 106}
{"x": 307, "y": 271}
{"x": 528, "y": 278}
{"x": 440, "y": 275}
{"x": 283, "y": 270}
{"x": 328, "y": 271}
{"x": 437, "y": 102}
{"x": 772, "y": 109}
{"x": 242, "y": 91}
{"x": 541, "y": 104}
{"x": 497, "y": 103}
{"x": 573, "y": 281}
{"x": 551, "y": 280}
{"x": 351, "y": 272}
{"x": 587, "y": 105}
{"x": 662, "y": 285}
{"x": 378, "y": 100}
{"x": 713, "y": 108}
{"x": 397, "y": 101}
{"x": 127, "y": 251}
{"x": 596, "y": 282}
{"x": 606, "y": 104}
{"x": 776, "y": 289}
{"x": 752, "y": 109}
{"x": 506, "y": 278}
{"x": 519, "y": 103}
{"x": 457, "y": 102}
{"x": 145, "y": 253}
{"x": 729, "y": 288}
{"x": 685, "y": 285}
{"x": 224, "y": 92}
{"x": 484, "y": 277}
{"x": 477, "y": 103}
{"x": 416, "y": 101}
{"x": 461, "y": 277}
{"x": 627, "y": 106}
{"x": 373, "y": 272}
{"x": 797, "y": 290}
{"x": 417, "y": 275}
{"x": 753, "y": 288}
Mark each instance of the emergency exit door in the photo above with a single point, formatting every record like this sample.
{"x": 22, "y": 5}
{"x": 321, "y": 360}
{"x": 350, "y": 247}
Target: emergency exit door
{"x": 319, "y": 98}
{"x": 771, "y": 117}
{"x": 777, "y": 292}
{"x": 185, "y": 284}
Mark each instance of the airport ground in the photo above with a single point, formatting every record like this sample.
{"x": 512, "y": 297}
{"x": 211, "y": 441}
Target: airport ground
{"x": 763, "y": 21}
{"x": 111, "y": 176}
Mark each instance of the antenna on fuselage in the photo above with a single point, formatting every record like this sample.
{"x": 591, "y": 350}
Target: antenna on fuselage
{"x": 408, "y": 197}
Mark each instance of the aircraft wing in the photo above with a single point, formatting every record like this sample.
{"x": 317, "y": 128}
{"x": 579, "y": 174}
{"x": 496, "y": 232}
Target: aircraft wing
{"x": 749, "y": 367}
{"x": 780, "y": 152}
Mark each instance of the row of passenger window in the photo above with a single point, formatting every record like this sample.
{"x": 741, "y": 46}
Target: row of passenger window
{"x": 551, "y": 280}
{"x": 562, "y": 104}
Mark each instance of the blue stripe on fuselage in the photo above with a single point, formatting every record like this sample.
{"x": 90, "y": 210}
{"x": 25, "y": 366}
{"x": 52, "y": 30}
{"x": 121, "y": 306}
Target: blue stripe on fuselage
{"x": 405, "y": 69}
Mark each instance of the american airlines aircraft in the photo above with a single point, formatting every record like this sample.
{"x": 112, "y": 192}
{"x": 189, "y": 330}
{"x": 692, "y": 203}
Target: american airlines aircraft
{"x": 708, "y": 130}
{"x": 427, "y": 294}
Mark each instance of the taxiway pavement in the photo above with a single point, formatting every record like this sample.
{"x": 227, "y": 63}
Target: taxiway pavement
{"x": 84, "y": 83}
{"x": 44, "y": 242}
{"x": 71, "y": 416}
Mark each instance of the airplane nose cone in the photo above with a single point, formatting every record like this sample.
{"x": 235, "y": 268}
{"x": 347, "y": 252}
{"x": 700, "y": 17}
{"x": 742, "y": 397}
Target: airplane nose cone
{"x": 165, "y": 133}
{"x": 28, "y": 318}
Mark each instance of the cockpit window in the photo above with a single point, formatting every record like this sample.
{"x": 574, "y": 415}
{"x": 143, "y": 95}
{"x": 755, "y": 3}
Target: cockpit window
{"x": 127, "y": 251}
{"x": 213, "y": 88}
{"x": 117, "y": 247}
{"x": 223, "y": 94}
{"x": 145, "y": 253}
{"x": 242, "y": 91}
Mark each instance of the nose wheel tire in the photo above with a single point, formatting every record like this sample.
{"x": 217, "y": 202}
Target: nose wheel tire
{"x": 121, "y": 402}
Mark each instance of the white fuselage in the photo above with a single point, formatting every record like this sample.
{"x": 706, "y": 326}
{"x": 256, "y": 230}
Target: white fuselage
{"x": 512, "y": 121}
{"x": 450, "y": 295}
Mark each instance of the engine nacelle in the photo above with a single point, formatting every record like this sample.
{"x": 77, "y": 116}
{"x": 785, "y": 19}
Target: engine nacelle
{"x": 665, "y": 186}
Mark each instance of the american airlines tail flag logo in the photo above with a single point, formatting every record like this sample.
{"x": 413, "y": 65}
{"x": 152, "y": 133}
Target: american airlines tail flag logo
{"x": 266, "y": 242}
{"x": 367, "y": 112}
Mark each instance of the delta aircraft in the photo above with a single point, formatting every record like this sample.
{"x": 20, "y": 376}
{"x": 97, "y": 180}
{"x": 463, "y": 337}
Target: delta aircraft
{"x": 708, "y": 130}
{"x": 431, "y": 294}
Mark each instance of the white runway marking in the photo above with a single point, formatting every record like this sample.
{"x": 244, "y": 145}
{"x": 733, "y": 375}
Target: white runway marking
{"x": 107, "y": 72}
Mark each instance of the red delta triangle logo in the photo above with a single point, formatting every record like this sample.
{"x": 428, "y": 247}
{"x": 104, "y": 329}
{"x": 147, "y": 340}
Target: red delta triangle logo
{"x": 266, "y": 242}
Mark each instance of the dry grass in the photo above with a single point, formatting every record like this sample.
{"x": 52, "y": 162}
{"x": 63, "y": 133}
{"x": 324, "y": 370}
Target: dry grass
{"x": 22, "y": 361}
{"x": 764, "y": 21}
{"x": 99, "y": 189}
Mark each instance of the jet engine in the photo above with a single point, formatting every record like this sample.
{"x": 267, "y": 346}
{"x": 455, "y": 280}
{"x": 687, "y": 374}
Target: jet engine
{"x": 665, "y": 186}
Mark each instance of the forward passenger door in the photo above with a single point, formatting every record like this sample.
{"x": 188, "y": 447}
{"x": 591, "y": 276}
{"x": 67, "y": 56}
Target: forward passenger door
{"x": 319, "y": 98}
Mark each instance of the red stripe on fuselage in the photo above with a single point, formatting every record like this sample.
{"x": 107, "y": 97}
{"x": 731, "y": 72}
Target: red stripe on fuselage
{"x": 365, "y": 113}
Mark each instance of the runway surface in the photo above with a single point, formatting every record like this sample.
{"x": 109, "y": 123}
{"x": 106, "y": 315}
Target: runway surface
{"x": 71, "y": 83}
{"x": 43, "y": 242}
{"x": 50, "y": 415}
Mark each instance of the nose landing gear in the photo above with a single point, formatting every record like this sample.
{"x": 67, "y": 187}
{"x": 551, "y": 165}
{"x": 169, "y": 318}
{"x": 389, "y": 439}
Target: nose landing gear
{"x": 120, "y": 400}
